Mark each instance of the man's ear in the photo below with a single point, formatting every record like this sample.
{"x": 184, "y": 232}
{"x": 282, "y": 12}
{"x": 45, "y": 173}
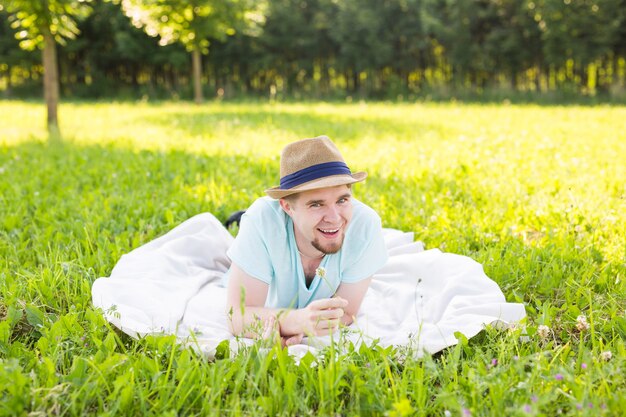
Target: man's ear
{"x": 286, "y": 206}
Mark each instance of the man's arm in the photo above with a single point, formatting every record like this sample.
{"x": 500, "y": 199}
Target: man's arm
{"x": 354, "y": 294}
{"x": 246, "y": 297}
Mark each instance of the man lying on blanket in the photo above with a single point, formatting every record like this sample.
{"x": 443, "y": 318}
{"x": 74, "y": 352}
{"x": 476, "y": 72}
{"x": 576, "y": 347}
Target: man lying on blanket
{"x": 304, "y": 256}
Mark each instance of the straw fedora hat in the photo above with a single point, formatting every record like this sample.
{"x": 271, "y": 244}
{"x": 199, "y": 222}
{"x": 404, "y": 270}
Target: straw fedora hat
{"x": 311, "y": 164}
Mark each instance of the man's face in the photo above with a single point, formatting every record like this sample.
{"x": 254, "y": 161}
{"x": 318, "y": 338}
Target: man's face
{"x": 320, "y": 218}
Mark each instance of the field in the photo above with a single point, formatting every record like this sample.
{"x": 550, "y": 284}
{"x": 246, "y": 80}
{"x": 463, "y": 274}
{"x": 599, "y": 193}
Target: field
{"x": 537, "y": 194}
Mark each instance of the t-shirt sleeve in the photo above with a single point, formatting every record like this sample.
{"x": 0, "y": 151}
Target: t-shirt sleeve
{"x": 368, "y": 255}
{"x": 249, "y": 250}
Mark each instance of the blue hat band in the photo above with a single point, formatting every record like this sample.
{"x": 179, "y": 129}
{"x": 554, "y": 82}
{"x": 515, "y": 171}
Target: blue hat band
{"x": 312, "y": 173}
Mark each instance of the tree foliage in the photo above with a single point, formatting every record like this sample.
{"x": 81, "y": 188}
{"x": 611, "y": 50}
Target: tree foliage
{"x": 191, "y": 22}
{"x": 326, "y": 48}
{"x": 35, "y": 19}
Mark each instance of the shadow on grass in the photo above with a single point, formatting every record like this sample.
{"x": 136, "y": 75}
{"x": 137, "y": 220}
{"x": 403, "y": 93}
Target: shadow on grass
{"x": 343, "y": 129}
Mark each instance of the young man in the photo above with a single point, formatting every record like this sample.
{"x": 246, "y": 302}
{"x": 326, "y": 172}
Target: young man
{"x": 304, "y": 256}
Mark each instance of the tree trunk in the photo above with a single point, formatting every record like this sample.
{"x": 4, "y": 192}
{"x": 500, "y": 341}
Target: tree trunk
{"x": 247, "y": 82}
{"x": 618, "y": 78}
{"x": 325, "y": 80}
{"x": 537, "y": 79}
{"x": 51, "y": 82}
{"x": 196, "y": 60}
{"x": 8, "y": 91}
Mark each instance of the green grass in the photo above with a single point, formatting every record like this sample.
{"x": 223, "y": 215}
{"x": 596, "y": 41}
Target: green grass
{"x": 536, "y": 194}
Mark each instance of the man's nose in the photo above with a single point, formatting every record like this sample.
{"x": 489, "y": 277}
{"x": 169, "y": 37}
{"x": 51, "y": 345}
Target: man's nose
{"x": 332, "y": 213}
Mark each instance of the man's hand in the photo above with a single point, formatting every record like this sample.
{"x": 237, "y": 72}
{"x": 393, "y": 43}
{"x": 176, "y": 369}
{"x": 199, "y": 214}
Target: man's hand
{"x": 271, "y": 332}
{"x": 247, "y": 295}
{"x": 321, "y": 317}
{"x": 354, "y": 293}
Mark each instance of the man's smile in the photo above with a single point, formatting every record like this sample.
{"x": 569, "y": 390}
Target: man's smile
{"x": 328, "y": 232}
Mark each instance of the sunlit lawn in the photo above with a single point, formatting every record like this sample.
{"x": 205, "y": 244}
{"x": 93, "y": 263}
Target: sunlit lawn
{"x": 536, "y": 194}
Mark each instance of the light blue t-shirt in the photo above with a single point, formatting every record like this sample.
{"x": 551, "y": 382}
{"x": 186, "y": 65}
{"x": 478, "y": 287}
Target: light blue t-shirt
{"x": 265, "y": 248}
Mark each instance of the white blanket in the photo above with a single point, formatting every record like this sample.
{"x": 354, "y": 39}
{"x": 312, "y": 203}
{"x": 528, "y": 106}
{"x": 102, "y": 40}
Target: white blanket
{"x": 172, "y": 285}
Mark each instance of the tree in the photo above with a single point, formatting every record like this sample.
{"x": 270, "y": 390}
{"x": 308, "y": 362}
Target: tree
{"x": 294, "y": 40}
{"x": 580, "y": 32}
{"x": 112, "y": 57}
{"x": 42, "y": 25}
{"x": 192, "y": 23}
{"x": 364, "y": 41}
{"x": 11, "y": 55}
{"x": 512, "y": 41}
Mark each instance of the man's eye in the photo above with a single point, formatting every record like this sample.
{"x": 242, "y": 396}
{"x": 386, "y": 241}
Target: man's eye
{"x": 315, "y": 205}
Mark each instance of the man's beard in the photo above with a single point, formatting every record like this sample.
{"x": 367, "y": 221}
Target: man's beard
{"x": 328, "y": 250}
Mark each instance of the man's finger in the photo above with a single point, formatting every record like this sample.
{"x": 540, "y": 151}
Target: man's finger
{"x": 334, "y": 313}
{"x": 269, "y": 328}
{"x": 328, "y": 324}
{"x": 294, "y": 340}
{"x": 326, "y": 331}
{"x": 325, "y": 303}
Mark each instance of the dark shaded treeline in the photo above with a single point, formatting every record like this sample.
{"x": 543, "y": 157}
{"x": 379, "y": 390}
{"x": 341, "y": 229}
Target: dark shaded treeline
{"x": 337, "y": 48}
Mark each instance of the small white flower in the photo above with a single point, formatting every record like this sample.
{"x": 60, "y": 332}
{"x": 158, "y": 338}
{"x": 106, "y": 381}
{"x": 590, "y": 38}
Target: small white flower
{"x": 321, "y": 272}
{"x": 543, "y": 331}
{"x": 581, "y": 323}
{"x": 606, "y": 356}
